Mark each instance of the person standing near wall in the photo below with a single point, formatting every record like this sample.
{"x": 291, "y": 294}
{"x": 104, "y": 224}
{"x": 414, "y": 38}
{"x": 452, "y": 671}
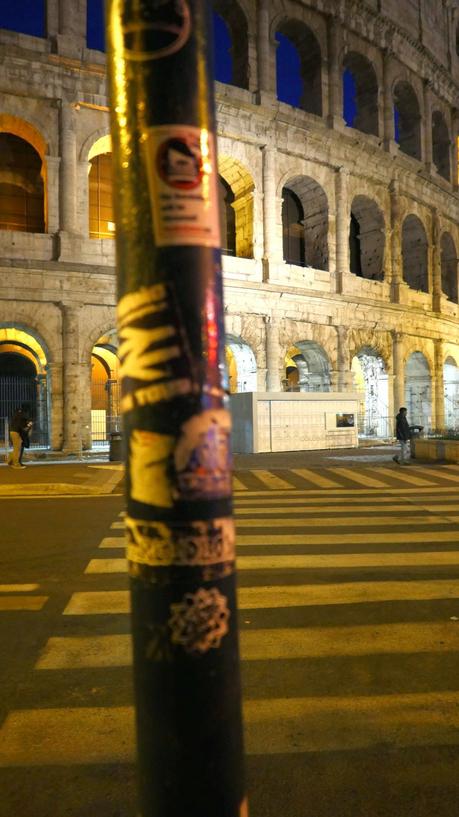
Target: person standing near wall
{"x": 403, "y": 434}
{"x": 19, "y": 433}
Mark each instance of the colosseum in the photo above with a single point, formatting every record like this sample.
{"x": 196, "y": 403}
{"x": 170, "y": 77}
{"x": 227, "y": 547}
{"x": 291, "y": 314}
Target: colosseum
{"x": 338, "y": 126}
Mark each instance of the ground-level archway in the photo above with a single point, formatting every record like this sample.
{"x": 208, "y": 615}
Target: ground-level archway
{"x": 241, "y": 365}
{"x": 418, "y": 390}
{"x": 23, "y": 379}
{"x": 451, "y": 392}
{"x": 371, "y": 380}
{"x": 307, "y": 367}
{"x": 105, "y": 389}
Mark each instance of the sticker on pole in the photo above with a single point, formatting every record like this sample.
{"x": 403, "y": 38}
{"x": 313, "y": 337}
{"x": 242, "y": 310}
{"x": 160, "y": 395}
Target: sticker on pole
{"x": 181, "y": 163}
{"x": 160, "y": 28}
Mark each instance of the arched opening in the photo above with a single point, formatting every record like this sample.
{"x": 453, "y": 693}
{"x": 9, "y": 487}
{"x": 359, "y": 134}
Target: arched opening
{"x": 451, "y": 390}
{"x": 101, "y": 218}
{"x": 366, "y": 239}
{"x": 236, "y": 207}
{"x": 418, "y": 391}
{"x": 448, "y": 256}
{"x": 22, "y": 198}
{"x": 307, "y": 368}
{"x": 292, "y": 228}
{"x": 231, "y": 25}
{"x": 360, "y": 94}
{"x": 370, "y": 379}
{"x": 441, "y": 145}
{"x": 23, "y": 380}
{"x": 305, "y": 223}
{"x": 241, "y": 365}
{"x": 25, "y": 17}
{"x": 414, "y": 254}
{"x": 298, "y": 67}
{"x": 105, "y": 389}
{"x": 95, "y": 25}
{"x": 407, "y": 119}
{"x": 227, "y": 217}
{"x": 223, "y": 60}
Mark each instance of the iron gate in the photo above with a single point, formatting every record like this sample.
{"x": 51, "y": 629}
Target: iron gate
{"x": 105, "y": 411}
{"x": 14, "y": 391}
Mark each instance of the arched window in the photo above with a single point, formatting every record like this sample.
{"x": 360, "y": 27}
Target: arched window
{"x": 366, "y": 239}
{"x": 407, "y": 120}
{"x": 414, "y": 254}
{"x": 292, "y": 228}
{"x": 441, "y": 145}
{"x": 227, "y": 217}
{"x": 308, "y": 214}
{"x": 355, "y": 256}
{"x": 231, "y": 34}
{"x": 95, "y": 25}
{"x": 24, "y": 16}
{"x": 448, "y": 257}
{"x": 457, "y": 40}
{"x": 298, "y": 67}
{"x": 101, "y": 219}
{"x": 21, "y": 186}
{"x": 360, "y": 94}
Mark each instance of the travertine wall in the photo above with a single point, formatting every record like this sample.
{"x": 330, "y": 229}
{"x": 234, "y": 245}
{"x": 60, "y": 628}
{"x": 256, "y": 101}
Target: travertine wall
{"x": 60, "y": 285}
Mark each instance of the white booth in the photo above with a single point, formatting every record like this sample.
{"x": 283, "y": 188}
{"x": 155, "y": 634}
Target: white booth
{"x": 294, "y": 421}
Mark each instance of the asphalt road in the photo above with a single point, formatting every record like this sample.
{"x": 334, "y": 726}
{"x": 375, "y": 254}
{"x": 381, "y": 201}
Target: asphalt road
{"x": 349, "y": 608}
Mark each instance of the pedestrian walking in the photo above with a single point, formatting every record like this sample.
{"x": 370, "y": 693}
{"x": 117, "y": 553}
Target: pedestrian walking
{"x": 20, "y": 427}
{"x": 403, "y": 434}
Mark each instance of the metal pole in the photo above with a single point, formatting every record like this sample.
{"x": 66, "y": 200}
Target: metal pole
{"x": 180, "y": 533}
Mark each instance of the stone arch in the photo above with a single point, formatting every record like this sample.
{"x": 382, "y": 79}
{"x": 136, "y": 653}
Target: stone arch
{"x": 241, "y": 365}
{"x": 370, "y": 374}
{"x": 415, "y": 254}
{"x": 23, "y": 379}
{"x": 309, "y": 65}
{"x": 239, "y": 179}
{"x": 100, "y": 327}
{"x": 441, "y": 145}
{"x": 418, "y": 389}
{"x": 368, "y": 243}
{"x": 407, "y": 119}
{"x": 29, "y": 131}
{"x": 98, "y": 141}
{"x": 236, "y": 20}
{"x": 307, "y": 367}
{"x": 360, "y": 81}
{"x": 451, "y": 391}
{"x": 105, "y": 388}
{"x": 314, "y": 230}
{"x": 449, "y": 271}
{"x": 22, "y": 188}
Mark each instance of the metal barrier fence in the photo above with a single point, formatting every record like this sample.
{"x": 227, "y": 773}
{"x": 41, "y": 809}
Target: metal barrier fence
{"x": 374, "y": 426}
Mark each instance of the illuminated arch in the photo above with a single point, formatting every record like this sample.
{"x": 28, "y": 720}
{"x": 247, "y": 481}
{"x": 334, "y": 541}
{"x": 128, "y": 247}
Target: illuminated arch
{"x": 241, "y": 184}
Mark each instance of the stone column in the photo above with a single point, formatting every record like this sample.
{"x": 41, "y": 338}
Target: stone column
{"x": 52, "y": 18}
{"x": 72, "y": 395}
{"x": 344, "y": 378}
{"x": 435, "y": 260}
{"x": 269, "y": 208}
{"x": 273, "y": 381}
{"x": 398, "y": 366}
{"x": 454, "y": 149}
{"x": 71, "y": 39}
{"x": 68, "y": 168}
{"x": 335, "y": 85}
{"x": 396, "y": 273}
{"x": 427, "y": 153}
{"x": 389, "y": 124}
{"x": 51, "y": 166}
{"x": 264, "y": 47}
{"x": 54, "y": 373}
{"x": 342, "y": 226}
{"x": 85, "y": 405}
{"x": 439, "y": 385}
{"x": 82, "y": 215}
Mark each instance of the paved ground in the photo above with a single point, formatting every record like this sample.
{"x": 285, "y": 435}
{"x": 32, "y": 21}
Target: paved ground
{"x": 349, "y": 612}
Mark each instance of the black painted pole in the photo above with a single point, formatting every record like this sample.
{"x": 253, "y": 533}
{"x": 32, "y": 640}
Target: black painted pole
{"x": 180, "y": 533}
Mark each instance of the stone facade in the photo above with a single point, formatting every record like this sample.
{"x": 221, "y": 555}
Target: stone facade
{"x": 398, "y": 179}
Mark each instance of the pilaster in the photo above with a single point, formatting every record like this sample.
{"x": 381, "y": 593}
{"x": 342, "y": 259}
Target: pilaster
{"x": 273, "y": 381}
{"x": 439, "y": 385}
{"x": 342, "y": 226}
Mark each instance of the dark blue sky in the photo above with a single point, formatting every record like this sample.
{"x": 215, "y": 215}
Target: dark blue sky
{"x": 28, "y": 17}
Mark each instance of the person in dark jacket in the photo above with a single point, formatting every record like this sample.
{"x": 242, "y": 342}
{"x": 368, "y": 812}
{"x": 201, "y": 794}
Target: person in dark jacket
{"x": 20, "y": 427}
{"x": 403, "y": 434}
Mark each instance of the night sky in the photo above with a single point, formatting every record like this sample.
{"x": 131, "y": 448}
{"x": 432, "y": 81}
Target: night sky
{"x": 28, "y": 17}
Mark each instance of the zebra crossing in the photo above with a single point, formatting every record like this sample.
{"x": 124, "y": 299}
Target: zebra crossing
{"x": 347, "y": 584}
